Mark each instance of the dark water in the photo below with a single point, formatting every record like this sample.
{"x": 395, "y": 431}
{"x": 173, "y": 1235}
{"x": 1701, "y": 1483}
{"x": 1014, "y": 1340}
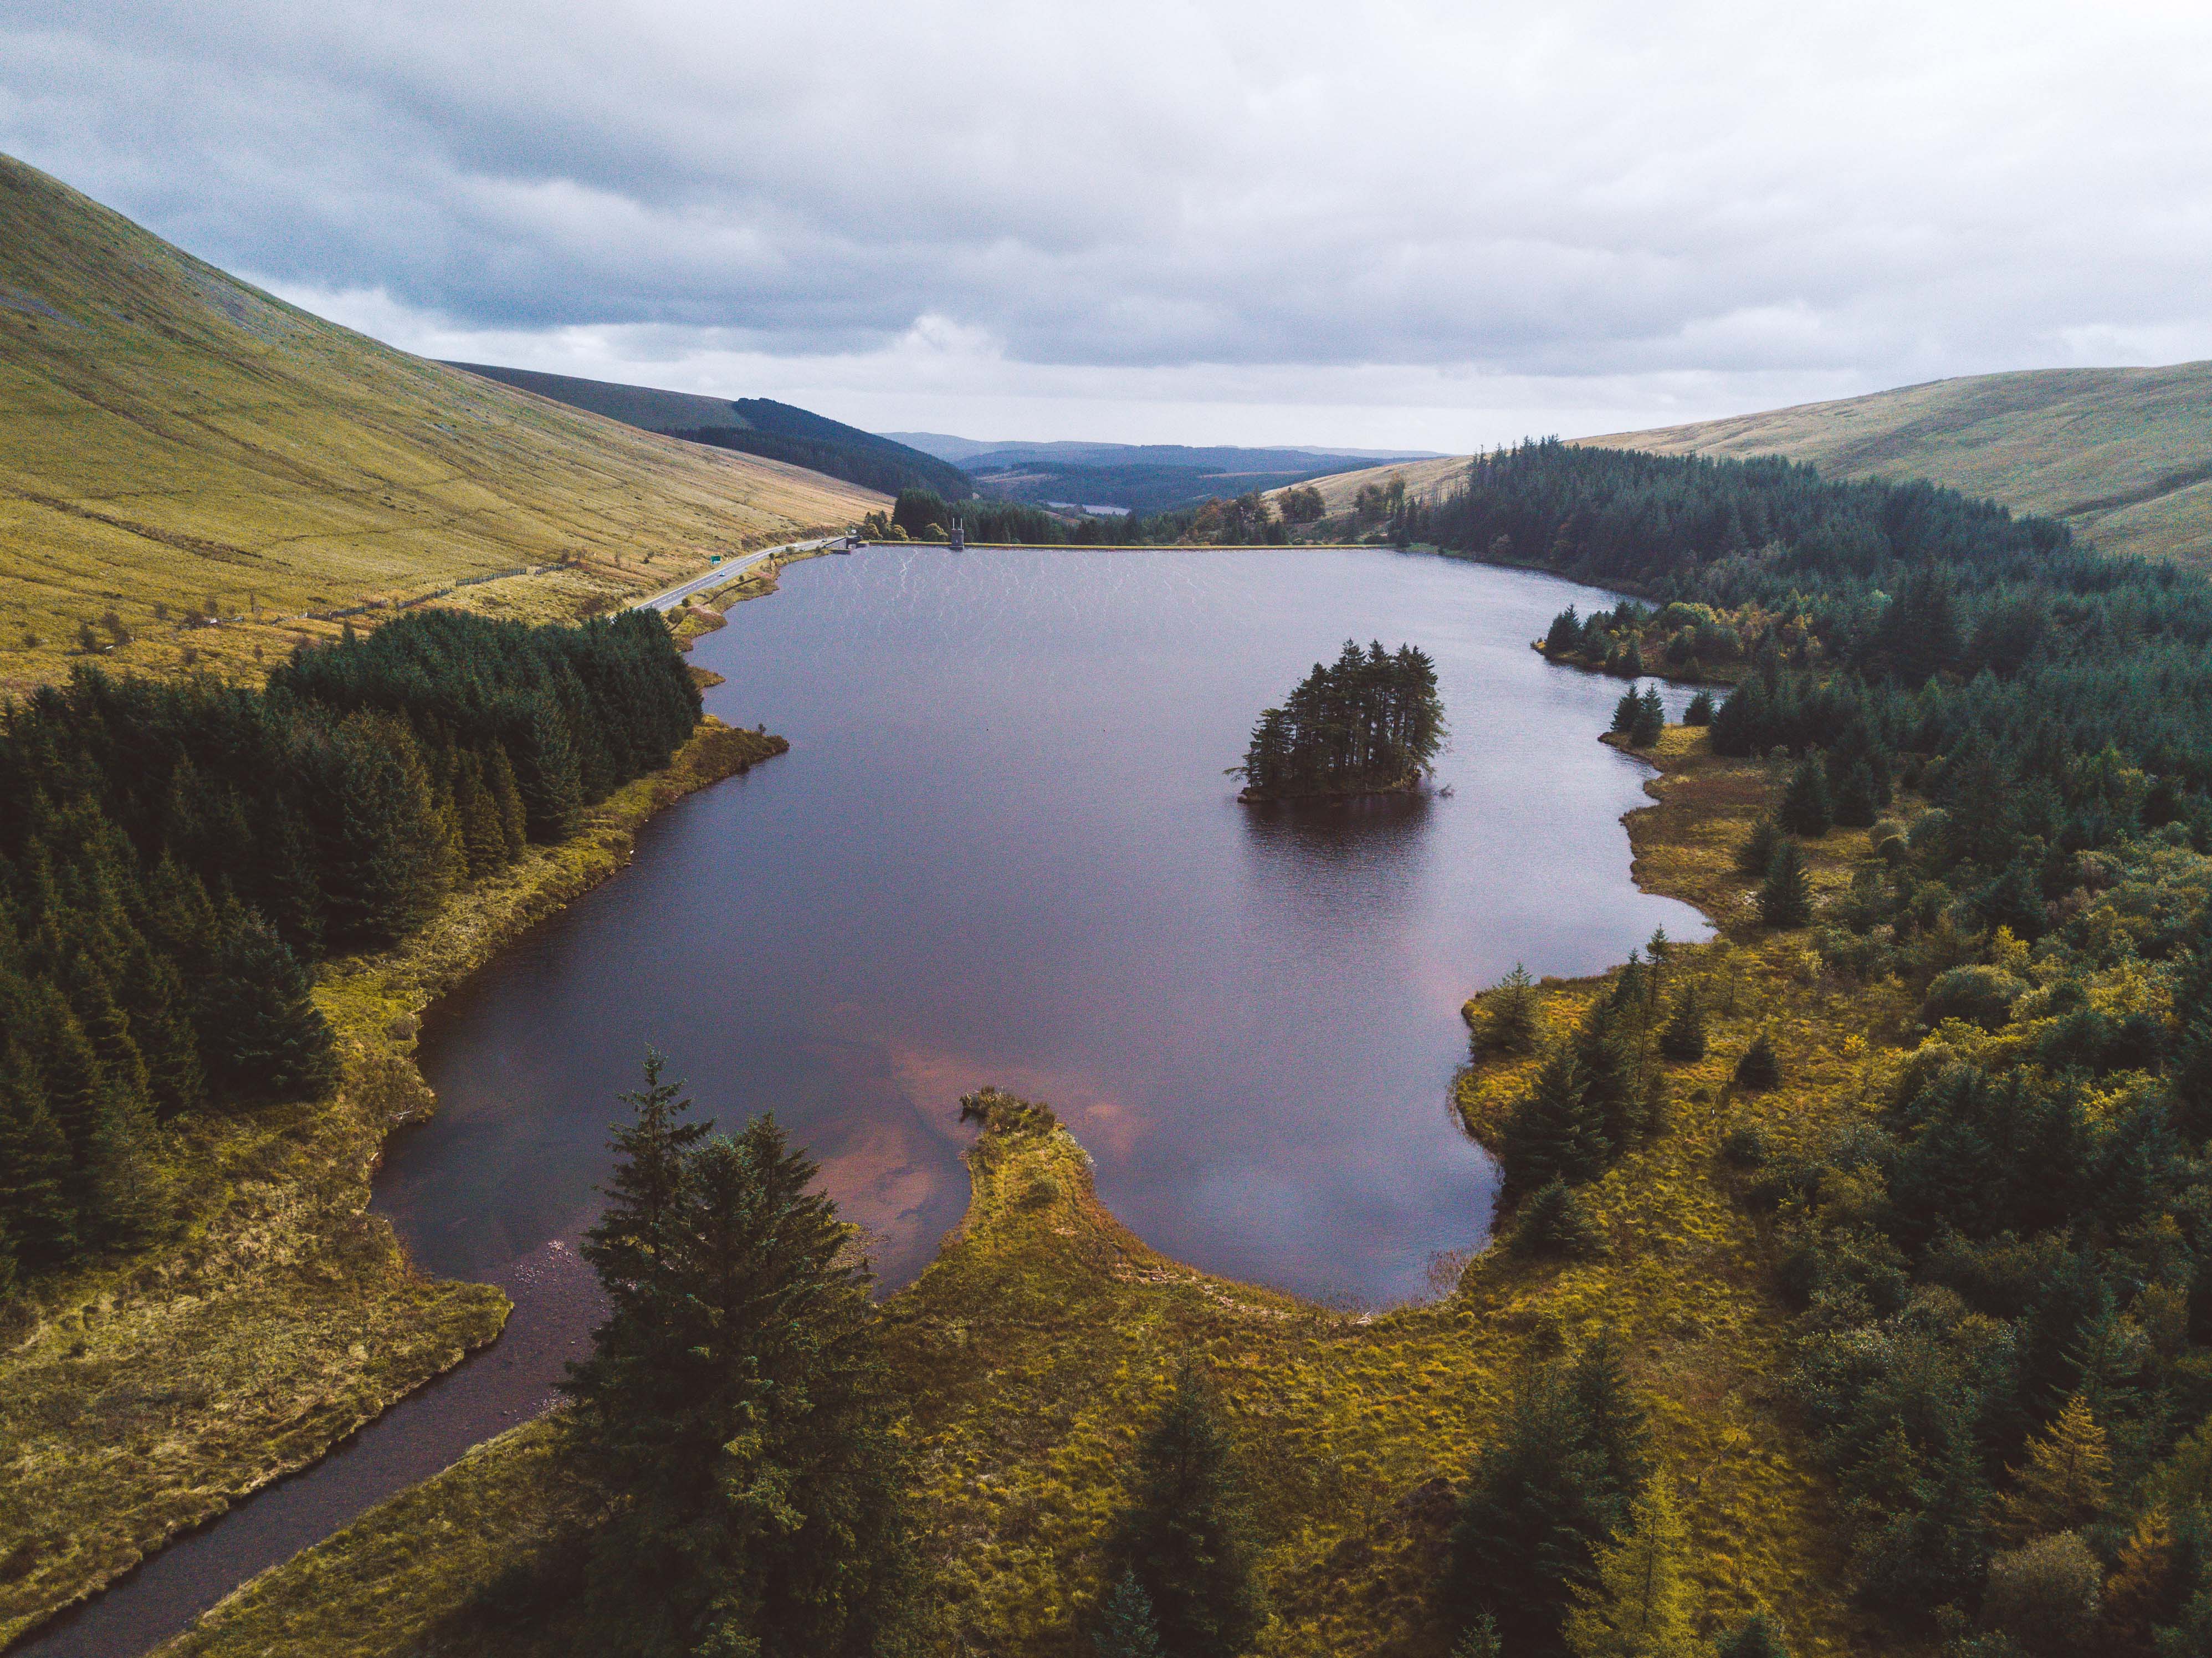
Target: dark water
{"x": 1002, "y": 850}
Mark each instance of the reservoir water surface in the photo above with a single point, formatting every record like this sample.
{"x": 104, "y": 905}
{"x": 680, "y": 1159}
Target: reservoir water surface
{"x": 1002, "y": 850}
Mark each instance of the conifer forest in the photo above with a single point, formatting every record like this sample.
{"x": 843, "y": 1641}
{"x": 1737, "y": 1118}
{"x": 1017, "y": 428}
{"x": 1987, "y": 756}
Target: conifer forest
{"x": 176, "y": 855}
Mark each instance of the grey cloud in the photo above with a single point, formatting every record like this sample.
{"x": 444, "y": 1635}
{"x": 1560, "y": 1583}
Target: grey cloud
{"x": 1599, "y": 190}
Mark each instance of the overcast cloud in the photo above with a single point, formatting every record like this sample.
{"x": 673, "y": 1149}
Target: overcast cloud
{"x": 1433, "y": 225}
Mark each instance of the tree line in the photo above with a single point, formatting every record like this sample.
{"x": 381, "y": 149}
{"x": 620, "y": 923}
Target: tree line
{"x": 174, "y": 856}
{"x": 1370, "y": 720}
{"x": 2002, "y": 1274}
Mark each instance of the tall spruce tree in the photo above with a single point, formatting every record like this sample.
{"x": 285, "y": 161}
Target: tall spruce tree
{"x": 1182, "y": 1533}
{"x": 735, "y": 1415}
{"x": 1556, "y": 1131}
{"x": 1785, "y": 897}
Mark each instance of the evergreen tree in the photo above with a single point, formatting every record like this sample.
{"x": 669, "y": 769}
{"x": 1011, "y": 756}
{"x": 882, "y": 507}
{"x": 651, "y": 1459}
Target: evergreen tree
{"x": 1805, "y": 807}
{"x": 1626, "y": 711}
{"x": 1542, "y": 1498}
{"x": 1650, "y": 718}
{"x": 265, "y": 1037}
{"x": 2067, "y": 1477}
{"x": 1643, "y": 1605}
{"x": 1785, "y": 897}
{"x": 1480, "y": 1640}
{"x": 1851, "y": 790}
{"x": 1757, "y": 1636}
{"x": 34, "y": 1167}
{"x": 1126, "y": 1629}
{"x": 735, "y": 1414}
{"x": 1182, "y": 1533}
{"x": 1760, "y": 1067}
{"x": 1556, "y": 1131}
{"x": 1756, "y": 856}
{"x": 1556, "y": 1223}
{"x": 1700, "y": 710}
{"x": 1683, "y": 1037}
{"x": 1507, "y": 1021}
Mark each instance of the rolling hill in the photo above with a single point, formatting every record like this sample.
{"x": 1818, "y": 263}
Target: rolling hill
{"x": 2124, "y": 455}
{"x": 173, "y": 439}
{"x": 751, "y": 426}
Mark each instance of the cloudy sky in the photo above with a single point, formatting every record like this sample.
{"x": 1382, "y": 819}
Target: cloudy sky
{"x": 1422, "y": 225}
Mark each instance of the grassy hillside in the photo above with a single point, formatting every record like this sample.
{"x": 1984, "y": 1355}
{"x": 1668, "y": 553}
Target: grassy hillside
{"x": 751, "y": 426}
{"x": 2123, "y": 455}
{"x": 172, "y": 437}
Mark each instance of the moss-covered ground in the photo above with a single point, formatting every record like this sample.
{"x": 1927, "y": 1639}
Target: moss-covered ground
{"x": 1037, "y": 1344}
{"x": 147, "y": 1396}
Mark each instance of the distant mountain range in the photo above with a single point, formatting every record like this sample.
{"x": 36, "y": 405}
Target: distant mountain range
{"x": 1146, "y": 477}
{"x": 752, "y": 426}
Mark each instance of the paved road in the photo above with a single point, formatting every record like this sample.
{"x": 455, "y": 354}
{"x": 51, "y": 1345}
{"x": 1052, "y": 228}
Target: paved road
{"x": 727, "y": 571}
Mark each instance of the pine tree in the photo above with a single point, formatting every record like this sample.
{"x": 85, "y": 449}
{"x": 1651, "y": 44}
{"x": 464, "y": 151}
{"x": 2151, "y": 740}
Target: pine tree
{"x": 1757, "y": 1636}
{"x": 1626, "y": 711}
{"x": 1700, "y": 710}
{"x": 1683, "y": 1037}
{"x": 1756, "y": 853}
{"x": 1805, "y": 808}
{"x": 34, "y": 1167}
{"x": 1183, "y": 1532}
{"x": 1126, "y": 1628}
{"x": 1542, "y": 1498}
{"x": 1852, "y": 792}
{"x": 264, "y": 1037}
{"x": 1643, "y": 1605}
{"x": 1651, "y": 720}
{"x": 1556, "y": 1131}
{"x": 1785, "y": 897}
{"x": 1760, "y": 1067}
{"x": 1480, "y": 1640}
{"x": 735, "y": 1414}
{"x": 1507, "y": 1019}
{"x": 2067, "y": 1479}
{"x": 1556, "y": 1223}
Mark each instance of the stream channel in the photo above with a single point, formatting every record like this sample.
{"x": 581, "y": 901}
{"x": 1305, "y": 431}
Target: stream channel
{"x": 1002, "y": 850}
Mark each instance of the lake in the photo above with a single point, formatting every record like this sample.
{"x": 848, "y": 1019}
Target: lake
{"x": 1002, "y": 850}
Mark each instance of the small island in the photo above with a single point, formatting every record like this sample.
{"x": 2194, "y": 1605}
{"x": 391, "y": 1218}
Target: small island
{"x": 1368, "y": 723}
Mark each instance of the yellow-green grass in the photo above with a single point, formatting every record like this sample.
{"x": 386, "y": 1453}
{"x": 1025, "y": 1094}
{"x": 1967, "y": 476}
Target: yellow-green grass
{"x": 1037, "y": 1344}
{"x": 2123, "y": 455}
{"x": 169, "y": 433}
{"x": 143, "y": 1397}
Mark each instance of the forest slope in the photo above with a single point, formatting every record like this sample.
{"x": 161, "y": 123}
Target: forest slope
{"x": 171, "y": 436}
{"x": 2123, "y": 456}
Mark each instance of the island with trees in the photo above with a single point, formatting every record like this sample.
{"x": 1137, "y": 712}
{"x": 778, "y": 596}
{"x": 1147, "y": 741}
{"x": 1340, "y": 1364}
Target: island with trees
{"x": 1370, "y": 723}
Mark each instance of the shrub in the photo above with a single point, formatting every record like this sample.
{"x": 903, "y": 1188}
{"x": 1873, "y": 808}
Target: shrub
{"x": 1979, "y": 994}
{"x": 2045, "y": 1597}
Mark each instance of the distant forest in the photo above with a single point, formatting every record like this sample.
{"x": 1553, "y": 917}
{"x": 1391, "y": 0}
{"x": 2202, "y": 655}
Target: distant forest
{"x": 173, "y": 856}
{"x": 923, "y": 514}
{"x": 2003, "y": 1276}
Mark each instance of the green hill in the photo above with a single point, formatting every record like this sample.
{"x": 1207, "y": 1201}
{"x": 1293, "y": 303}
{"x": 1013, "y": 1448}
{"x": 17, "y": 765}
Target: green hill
{"x": 752, "y": 426}
{"x": 2124, "y": 455}
{"x": 172, "y": 438}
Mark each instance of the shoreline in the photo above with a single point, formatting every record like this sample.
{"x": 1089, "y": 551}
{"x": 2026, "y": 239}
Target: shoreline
{"x": 1041, "y": 1334}
{"x": 285, "y": 1309}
